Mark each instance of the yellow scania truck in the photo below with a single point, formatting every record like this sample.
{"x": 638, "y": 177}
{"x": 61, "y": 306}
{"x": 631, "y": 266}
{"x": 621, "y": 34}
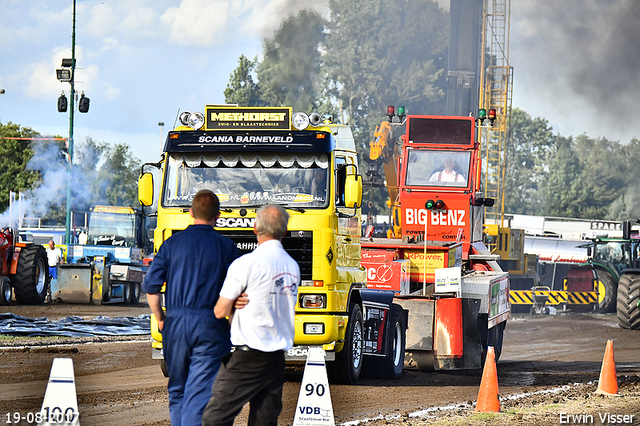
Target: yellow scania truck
{"x": 255, "y": 156}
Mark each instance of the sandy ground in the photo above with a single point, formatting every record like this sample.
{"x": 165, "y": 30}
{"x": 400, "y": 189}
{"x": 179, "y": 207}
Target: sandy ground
{"x": 119, "y": 383}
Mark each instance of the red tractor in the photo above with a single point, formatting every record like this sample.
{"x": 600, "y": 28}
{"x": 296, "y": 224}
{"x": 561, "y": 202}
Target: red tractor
{"x": 24, "y": 270}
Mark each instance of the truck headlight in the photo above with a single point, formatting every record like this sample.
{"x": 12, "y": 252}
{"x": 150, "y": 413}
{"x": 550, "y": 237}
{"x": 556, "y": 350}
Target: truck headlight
{"x": 300, "y": 120}
{"x": 316, "y": 301}
{"x": 195, "y": 120}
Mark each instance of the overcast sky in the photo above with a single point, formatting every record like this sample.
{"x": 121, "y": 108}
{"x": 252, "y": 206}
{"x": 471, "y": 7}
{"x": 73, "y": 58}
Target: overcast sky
{"x": 576, "y": 62}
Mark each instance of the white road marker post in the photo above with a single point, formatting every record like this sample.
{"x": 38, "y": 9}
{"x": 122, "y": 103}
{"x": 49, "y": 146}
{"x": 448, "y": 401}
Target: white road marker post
{"x": 60, "y": 405}
{"x": 314, "y": 401}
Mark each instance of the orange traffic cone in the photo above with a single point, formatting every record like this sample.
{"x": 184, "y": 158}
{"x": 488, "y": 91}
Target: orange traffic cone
{"x": 608, "y": 382}
{"x": 488, "y": 395}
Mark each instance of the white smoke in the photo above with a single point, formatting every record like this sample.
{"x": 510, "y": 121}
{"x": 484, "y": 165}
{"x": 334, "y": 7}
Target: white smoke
{"x": 49, "y": 161}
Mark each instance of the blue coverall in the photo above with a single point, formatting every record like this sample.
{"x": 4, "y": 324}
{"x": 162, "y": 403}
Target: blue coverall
{"x": 194, "y": 264}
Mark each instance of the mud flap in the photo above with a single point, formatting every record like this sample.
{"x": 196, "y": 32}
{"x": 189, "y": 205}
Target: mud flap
{"x": 457, "y": 343}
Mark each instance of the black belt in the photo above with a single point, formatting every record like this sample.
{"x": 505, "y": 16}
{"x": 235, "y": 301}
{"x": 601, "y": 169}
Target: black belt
{"x": 245, "y": 348}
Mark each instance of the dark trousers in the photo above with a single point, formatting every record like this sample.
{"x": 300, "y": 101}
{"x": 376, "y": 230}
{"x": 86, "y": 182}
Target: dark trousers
{"x": 247, "y": 376}
{"x": 194, "y": 344}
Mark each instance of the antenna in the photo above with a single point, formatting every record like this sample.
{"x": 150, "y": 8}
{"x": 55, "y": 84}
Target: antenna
{"x": 177, "y": 115}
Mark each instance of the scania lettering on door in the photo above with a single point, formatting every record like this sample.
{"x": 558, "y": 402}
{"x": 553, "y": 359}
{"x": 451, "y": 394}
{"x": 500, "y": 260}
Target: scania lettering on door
{"x": 235, "y": 222}
{"x": 443, "y": 217}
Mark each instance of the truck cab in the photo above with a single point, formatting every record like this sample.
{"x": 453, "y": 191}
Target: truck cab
{"x": 250, "y": 157}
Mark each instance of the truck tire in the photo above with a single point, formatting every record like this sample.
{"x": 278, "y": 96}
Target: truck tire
{"x": 31, "y": 281}
{"x": 135, "y": 293}
{"x": 495, "y": 337}
{"x": 126, "y": 293}
{"x": 163, "y": 368}
{"x": 347, "y": 367}
{"x": 607, "y": 285}
{"x": 391, "y": 365}
{"x": 627, "y": 304}
{"x": 5, "y": 291}
{"x": 490, "y": 337}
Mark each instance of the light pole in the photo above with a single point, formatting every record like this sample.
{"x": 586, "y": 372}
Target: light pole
{"x": 161, "y": 125}
{"x": 67, "y": 74}
{"x": 67, "y": 231}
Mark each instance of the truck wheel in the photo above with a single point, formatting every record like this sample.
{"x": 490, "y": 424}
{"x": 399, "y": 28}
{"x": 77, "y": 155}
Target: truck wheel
{"x": 495, "y": 339}
{"x": 31, "y": 280}
{"x": 163, "y": 368}
{"x": 347, "y": 367}
{"x": 391, "y": 366}
{"x": 135, "y": 293}
{"x": 126, "y": 293}
{"x": 5, "y": 291}
{"x": 606, "y": 291}
{"x": 627, "y": 304}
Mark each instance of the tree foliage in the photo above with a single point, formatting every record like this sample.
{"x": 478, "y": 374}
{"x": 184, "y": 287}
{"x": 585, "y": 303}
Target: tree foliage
{"x": 385, "y": 52}
{"x": 38, "y": 168}
{"x": 290, "y": 71}
{"x": 373, "y": 53}
{"x": 106, "y": 174}
{"x": 241, "y": 89}
{"x": 577, "y": 177}
{"x": 14, "y": 157}
{"x": 528, "y": 152}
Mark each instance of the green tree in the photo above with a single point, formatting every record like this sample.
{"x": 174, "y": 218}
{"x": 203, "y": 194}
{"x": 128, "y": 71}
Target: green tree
{"x": 241, "y": 89}
{"x": 562, "y": 192}
{"x": 14, "y": 157}
{"x": 381, "y": 53}
{"x": 290, "y": 71}
{"x": 603, "y": 174}
{"x": 385, "y": 53}
{"x": 106, "y": 174}
{"x": 627, "y": 204}
{"x": 529, "y": 150}
{"x": 122, "y": 168}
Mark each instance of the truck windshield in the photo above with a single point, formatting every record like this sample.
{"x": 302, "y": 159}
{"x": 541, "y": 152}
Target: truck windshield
{"x": 116, "y": 229}
{"x": 437, "y": 168}
{"x": 241, "y": 179}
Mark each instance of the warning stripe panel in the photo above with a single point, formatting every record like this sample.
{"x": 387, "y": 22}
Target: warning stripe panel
{"x": 526, "y": 297}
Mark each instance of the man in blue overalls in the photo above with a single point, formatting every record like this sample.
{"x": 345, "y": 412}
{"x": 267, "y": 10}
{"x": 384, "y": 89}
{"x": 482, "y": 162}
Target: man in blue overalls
{"x": 193, "y": 263}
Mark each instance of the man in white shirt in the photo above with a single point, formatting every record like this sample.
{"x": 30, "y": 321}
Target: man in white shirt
{"x": 448, "y": 174}
{"x": 54, "y": 256}
{"x": 262, "y": 331}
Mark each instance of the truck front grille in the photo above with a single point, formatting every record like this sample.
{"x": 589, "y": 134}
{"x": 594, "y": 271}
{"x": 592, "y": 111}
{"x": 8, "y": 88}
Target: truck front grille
{"x": 299, "y": 245}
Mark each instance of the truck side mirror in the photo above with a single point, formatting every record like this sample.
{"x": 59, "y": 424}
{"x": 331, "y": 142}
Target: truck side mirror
{"x": 353, "y": 191}
{"x": 145, "y": 189}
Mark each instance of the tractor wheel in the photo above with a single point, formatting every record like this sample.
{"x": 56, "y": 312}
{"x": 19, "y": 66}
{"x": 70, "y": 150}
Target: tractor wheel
{"x": 628, "y": 297}
{"x": 5, "y": 291}
{"x": 31, "y": 281}
{"x": 391, "y": 365}
{"x": 347, "y": 367}
{"x": 607, "y": 289}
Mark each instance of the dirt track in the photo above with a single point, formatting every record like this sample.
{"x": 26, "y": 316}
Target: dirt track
{"x": 119, "y": 383}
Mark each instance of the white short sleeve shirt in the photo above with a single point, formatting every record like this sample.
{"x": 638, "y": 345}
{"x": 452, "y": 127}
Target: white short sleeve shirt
{"x": 270, "y": 277}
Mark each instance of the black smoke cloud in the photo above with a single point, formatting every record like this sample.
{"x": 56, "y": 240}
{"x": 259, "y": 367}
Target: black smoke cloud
{"x": 588, "y": 50}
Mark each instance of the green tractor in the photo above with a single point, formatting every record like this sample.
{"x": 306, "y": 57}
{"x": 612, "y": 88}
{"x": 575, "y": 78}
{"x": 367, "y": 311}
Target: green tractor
{"x": 616, "y": 262}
